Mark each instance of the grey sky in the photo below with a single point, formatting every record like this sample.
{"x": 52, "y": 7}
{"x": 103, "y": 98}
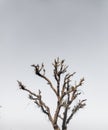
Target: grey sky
{"x": 35, "y": 31}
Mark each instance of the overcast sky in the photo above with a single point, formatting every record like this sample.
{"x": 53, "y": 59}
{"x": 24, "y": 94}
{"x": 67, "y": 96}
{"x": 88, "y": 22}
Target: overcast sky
{"x": 35, "y": 31}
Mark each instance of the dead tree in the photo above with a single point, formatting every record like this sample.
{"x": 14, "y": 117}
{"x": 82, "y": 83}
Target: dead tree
{"x": 65, "y": 92}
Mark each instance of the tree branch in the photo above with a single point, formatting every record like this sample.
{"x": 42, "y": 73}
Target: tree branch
{"x": 80, "y": 105}
{"x": 38, "y": 70}
{"x": 59, "y": 69}
{"x": 38, "y": 100}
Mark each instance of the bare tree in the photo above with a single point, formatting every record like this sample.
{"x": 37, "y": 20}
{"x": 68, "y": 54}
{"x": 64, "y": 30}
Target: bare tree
{"x": 65, "y": 92}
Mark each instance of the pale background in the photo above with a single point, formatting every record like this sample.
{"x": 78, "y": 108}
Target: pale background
{"x": 35, "y": 31}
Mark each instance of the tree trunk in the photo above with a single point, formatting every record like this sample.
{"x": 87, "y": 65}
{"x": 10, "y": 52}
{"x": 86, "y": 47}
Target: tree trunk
{"x": 64, "y": 128}
{"x": 56, "y": 127}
